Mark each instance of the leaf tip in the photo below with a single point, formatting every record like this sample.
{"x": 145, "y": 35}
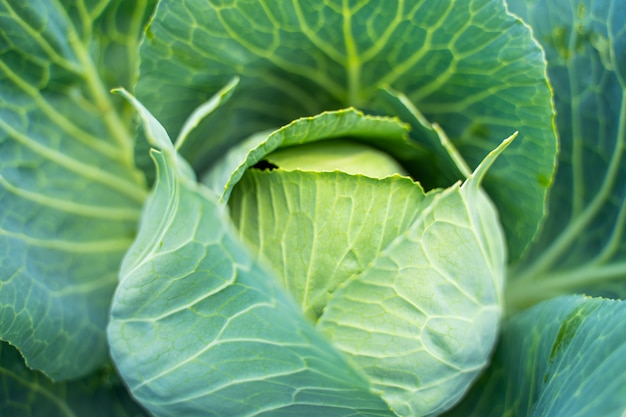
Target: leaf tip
{"x": 121, "y": 91}
{"x": 204, "y": 110}
{"x": 476, "y": 178}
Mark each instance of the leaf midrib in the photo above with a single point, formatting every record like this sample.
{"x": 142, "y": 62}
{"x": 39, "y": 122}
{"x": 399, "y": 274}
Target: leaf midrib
{"x": 99, "y": 93}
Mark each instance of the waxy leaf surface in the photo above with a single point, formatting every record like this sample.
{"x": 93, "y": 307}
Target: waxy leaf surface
{"x": 28, "y": 393}
{"x": 69, "y": 192}
{"x": 583, "y": 244}
{"x": 572, "y": 364}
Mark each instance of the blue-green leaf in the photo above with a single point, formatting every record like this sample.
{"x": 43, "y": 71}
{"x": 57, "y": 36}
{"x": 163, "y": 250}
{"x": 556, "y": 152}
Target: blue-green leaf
{"x": 28, "y": 393}
{"x": 194, "y": 148}
{"x": 467, "y": 65}
{"x": 69, "y": 191}
{"x": 563, "y": 357}
{"x": 438, "y": 168}
{"x": 583, "y": 244}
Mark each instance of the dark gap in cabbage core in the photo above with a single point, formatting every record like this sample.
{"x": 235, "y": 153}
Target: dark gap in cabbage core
{"x": 264, "y": 165}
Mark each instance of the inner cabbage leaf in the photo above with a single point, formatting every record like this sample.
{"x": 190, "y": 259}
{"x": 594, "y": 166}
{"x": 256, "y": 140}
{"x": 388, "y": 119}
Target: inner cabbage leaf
{"x": 337, "y": 155}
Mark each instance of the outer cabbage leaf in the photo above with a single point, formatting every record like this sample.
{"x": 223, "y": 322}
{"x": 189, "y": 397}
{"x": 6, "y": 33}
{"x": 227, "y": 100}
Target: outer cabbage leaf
{"x": 467, "y": 65}
{"x": 191, "y": 146}
{"x": 583, "y": 244}
{"x": 69, "y": 191}
{"x": 563, "y": 357}
{"x": 28, "y": 393}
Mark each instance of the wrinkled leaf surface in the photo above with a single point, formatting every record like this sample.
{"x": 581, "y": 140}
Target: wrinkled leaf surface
{"x": 69, "y": 192}
{"x": 583, "y": 244}
{"x": 570, "y": 365}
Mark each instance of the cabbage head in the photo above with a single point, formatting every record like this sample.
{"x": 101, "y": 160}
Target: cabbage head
{"x": 316, "y": 277}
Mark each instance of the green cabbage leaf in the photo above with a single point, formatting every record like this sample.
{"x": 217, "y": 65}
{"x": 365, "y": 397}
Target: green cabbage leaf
{"x": 70, "y": 193}
{"x": 571, "y": 365}
{"x": 26, "y": 393}
{"x": 582, "y": 247}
